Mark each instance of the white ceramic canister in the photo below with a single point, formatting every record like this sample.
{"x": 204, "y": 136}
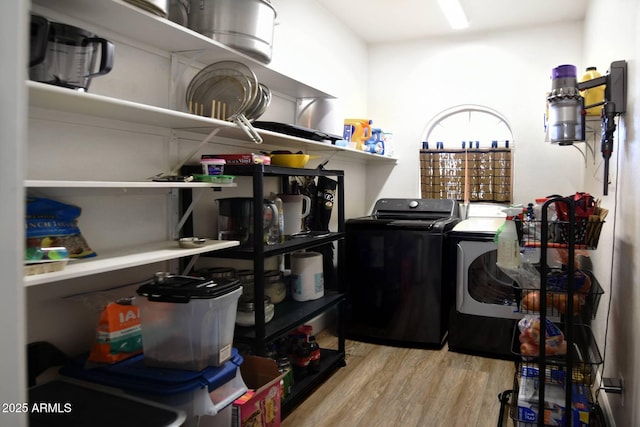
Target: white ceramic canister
{"x": 307, "y": 277}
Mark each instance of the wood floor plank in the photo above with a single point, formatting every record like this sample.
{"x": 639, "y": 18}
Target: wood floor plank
{"x": 394, "y": 386}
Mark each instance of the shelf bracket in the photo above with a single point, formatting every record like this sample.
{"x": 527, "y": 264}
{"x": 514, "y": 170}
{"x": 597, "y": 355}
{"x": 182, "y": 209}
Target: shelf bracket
{"x": 594, "y": 131}
{"x": 190, "y": 264}
{"x": 589, "y": 150}
{"x": 188, "y": 212}
{"x": 584, "y": 155}
{"x": 179, "y": 82}
{"x": 212, "y": 134}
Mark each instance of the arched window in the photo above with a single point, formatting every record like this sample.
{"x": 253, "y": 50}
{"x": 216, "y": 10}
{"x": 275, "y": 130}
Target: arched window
{"x": 466, "y": 156}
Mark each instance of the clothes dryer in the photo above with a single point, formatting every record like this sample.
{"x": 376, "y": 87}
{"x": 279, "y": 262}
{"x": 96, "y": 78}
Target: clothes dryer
{"x": 485, "y": 303}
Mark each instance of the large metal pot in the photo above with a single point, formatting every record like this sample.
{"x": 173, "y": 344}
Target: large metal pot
{"x": 158, "y": 7}
{"x": 245, "y": 25}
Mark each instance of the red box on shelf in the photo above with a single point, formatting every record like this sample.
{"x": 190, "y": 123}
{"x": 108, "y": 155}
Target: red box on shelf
{"x": 240, "y": 159}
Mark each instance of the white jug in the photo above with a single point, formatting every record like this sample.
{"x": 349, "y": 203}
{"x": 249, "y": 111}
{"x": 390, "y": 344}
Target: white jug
{"x": 307, "y": 276}
{"x": 296, "y": 208}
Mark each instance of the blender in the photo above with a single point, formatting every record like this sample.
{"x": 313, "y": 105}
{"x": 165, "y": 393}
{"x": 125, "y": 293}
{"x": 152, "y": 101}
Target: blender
{"x": 67, "y": 56}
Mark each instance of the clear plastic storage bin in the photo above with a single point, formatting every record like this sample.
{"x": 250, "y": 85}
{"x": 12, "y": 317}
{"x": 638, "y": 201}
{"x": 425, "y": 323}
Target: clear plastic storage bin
{"x": 188, "y": 322}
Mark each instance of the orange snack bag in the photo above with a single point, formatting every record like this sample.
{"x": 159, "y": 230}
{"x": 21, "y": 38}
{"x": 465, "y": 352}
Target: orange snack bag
{"x": 119, "y": 333}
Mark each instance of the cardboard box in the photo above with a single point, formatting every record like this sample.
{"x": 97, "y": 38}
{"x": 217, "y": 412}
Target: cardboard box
{"x": 554, "y": 405}
{"x": 553, "y": 374}
{"x": 259, "y": 407}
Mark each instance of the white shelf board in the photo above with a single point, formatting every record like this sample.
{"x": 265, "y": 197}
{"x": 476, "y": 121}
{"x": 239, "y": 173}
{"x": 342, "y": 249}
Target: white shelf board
{"x": 308, "y": 146}
{"x": 63, "y": 99}
{"x": 125, "y": 258}
{"x": 44, "y": 183}
{"x": 147, "y": 28}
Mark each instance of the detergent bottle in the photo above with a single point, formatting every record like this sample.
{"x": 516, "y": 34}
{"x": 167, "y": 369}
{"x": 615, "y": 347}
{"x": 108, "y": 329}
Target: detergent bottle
{"x": 593, "y": 95}
{"x": 358, "y": 131}
{"x": 507, "y": 239}
{"x": 375, "y": 144}
{"x": 387, "y": 138}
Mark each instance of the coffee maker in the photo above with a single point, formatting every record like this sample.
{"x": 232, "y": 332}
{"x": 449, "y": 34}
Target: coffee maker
{"x": 235, "y": 221}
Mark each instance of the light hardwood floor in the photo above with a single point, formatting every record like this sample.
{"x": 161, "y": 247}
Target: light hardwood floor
{"x": 391, "y": 386}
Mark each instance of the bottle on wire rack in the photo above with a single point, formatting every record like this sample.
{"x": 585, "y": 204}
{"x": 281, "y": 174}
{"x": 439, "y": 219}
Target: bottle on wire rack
{"x": 507, "y": 239}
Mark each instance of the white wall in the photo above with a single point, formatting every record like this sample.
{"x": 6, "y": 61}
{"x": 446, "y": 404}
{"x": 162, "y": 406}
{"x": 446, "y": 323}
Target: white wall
{"x": 508, "y": 71}
{"x": 13, "y": 110}
{"x": 312, "y": 45}
{"x": 611, "y": 33}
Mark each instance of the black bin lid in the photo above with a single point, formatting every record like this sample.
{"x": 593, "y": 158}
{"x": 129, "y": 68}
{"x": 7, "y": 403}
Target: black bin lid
{"x": 167, "y": 287}
{"x": 96, "y": 407}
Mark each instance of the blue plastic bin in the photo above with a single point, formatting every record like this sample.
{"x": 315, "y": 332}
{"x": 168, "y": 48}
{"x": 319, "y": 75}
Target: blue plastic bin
{"x": 198, "y": 393}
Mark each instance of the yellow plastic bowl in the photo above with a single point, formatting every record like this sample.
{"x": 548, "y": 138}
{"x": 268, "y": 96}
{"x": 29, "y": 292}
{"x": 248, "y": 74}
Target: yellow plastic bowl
{"x": 290, "y": 160}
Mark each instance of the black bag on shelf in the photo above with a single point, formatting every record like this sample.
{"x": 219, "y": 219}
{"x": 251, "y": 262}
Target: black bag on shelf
{"x": 322, "y": 195}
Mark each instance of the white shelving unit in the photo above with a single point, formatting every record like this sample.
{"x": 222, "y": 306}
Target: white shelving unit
{"x": 33, "y": 183}
{"x": 124, "y": 258}
{"x": 143, "y": 27}
{"x": 52, "y": 97}
{"x": 130, "y": 256}
{"x": 160, "y": 33}
{"x": 62, "y": 99}
{"x": 139, "y": 25}
{"x": 136, "y": 24}
{"x": 126, "y": 23}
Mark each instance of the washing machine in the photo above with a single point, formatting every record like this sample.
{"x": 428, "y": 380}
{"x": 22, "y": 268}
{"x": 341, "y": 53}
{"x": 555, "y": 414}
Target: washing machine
{"x": 484, "y": 308}
{"x": 396, "y": 272}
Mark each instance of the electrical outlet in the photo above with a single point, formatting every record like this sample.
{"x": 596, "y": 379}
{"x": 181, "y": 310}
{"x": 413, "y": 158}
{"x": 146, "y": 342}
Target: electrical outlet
{"x": 612, "y": 385}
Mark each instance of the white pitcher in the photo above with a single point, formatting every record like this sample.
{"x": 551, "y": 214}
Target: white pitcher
{"x": 296, "y": 208}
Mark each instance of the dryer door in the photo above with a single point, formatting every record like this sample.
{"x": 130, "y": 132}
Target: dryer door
{"x": 481, "y": 288}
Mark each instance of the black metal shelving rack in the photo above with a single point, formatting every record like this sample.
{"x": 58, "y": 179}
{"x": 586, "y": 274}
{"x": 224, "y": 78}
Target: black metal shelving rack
{"x": 583, "y": 358}
{"x": 288, "y": 314}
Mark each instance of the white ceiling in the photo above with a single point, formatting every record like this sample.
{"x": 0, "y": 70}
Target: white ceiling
{"x": 376, "y": 21}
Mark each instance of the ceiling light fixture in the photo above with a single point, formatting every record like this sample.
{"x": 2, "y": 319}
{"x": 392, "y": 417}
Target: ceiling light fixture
{"x": 454, "y": 13}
